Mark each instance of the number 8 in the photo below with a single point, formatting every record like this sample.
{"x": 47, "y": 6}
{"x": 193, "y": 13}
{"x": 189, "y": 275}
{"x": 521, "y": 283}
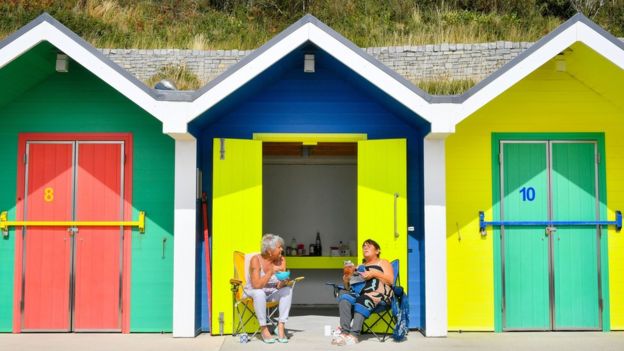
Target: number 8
{"x": 48, "y": 194}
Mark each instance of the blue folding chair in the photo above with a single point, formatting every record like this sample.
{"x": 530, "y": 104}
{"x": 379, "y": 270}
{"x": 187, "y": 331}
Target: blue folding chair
{"x": 384, "y": 314}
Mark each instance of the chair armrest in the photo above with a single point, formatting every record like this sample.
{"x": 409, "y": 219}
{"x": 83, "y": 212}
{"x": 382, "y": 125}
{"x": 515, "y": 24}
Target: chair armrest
{"x": 336, "y": 287}
{"x": 236, "y": 282}
{"x": 294, "y": 281}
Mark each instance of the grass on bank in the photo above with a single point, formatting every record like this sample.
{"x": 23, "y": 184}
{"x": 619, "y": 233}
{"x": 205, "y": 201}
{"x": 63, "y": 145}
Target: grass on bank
{"x": 247, "y": 24}
{"x": 183, "y": 78}
{"x": 445, "y": 86}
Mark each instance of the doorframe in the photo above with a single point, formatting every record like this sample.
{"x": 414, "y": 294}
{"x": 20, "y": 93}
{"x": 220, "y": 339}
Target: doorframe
{"x": 310, "y": 138}
{"x": 128, "y": 209}
{"x": 599, "y": 138}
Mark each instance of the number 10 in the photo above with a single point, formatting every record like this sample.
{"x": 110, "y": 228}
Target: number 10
{"x": 528, "y": 194}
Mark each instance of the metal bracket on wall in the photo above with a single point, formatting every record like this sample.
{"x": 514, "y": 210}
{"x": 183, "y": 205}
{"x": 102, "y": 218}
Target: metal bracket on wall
{"x": 550, "y": 224}
{"x": 5, "y": 223}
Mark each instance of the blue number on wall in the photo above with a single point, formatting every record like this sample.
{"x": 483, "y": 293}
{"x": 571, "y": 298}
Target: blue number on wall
{"x": 528, "y": 194}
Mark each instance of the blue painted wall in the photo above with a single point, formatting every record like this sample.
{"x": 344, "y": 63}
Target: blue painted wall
{"x": 334, "y": 99}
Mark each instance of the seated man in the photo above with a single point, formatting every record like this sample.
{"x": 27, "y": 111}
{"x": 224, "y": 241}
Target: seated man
{"x": 355, "y": 307}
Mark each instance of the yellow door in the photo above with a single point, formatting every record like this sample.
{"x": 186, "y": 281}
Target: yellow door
{"x": 236, "y": 218}
{"x": 382, "y": 199}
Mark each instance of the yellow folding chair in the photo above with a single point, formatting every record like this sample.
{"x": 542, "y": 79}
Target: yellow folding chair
{"x": 244, "y": 315}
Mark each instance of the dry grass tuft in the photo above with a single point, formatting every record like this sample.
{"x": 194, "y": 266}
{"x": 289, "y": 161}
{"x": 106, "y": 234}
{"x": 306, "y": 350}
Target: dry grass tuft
{"x": 183, "y": 78}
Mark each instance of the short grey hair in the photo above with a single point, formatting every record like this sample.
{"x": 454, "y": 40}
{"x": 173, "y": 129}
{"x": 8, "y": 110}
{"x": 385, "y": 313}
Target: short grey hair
{"x": 270, "y": 242}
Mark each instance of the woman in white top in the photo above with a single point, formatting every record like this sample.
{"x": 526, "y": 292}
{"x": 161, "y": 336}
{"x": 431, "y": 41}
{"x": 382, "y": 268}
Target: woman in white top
{"x": 262, "y": 285}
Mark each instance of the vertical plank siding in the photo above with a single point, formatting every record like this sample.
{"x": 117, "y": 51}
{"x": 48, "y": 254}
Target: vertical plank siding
{"x": 79, "y": 102}
{"x": 547, "y": 101}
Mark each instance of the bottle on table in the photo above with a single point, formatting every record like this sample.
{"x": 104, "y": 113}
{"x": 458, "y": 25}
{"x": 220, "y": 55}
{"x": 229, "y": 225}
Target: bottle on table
{"x": 318, "y": 249}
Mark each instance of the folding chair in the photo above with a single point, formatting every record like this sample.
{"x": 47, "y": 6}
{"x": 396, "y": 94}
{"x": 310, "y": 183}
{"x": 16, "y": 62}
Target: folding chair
{"x": 244, "y": 315}
{"x": 382, "y": 314}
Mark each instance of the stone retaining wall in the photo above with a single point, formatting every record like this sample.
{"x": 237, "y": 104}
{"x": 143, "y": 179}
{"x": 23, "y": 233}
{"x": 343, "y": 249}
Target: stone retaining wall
{"x": 416, "y": 63}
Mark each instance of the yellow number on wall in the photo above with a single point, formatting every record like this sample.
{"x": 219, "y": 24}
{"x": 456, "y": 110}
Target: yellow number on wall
{"x": 48, "y": 194}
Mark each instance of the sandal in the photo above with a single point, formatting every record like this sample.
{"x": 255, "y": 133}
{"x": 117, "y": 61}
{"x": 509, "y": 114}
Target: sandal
{"x": 348, "y": 340}
{"x": 283, "y": 340}
{"x": 268, "y": 341}
{"x": 337, "y": 339}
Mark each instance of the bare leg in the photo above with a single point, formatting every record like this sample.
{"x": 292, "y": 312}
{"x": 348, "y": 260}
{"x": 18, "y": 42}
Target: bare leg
{"x": 281, "y": 330}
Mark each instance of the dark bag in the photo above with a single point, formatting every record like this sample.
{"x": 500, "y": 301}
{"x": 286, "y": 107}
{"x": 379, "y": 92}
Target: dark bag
{"x": 400, "y": 308}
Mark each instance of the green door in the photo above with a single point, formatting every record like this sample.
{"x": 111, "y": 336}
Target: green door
{"x": 236, "y": 217}
{"x": 524, "y": 185}
{"x": 575, "y": 255}
{"x": 550, "y": 277}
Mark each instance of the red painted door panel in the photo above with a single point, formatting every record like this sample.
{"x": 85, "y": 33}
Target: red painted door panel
{"x": 98, "y": 250}
{"x": 47, "y": 250}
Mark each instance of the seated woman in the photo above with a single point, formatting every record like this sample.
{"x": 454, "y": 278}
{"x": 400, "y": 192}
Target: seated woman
{"x": 355, "y": 307}
{"x": 262, "y": 286}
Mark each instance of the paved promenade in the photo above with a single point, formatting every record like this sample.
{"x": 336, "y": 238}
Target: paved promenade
{"x": 307, "y": 334}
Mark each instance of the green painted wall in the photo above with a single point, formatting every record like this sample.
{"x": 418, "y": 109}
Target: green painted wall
{"x": 79, "y": 102}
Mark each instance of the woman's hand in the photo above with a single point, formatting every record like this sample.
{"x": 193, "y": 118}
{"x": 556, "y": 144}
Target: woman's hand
{"x": 368, "y": 274}
{"x": 283, "y": 283}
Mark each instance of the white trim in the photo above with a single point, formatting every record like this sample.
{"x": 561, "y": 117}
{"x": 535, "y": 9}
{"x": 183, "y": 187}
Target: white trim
{"x": 516, "y": 73}
{"x": 435, "y": 238}
{"x": 577, "y": 32}
{"x": 184, "y": 234}
{"x": 45, "y": 31}
{"x": 370, "y": 72}
{"x": 337, "y": 49}
{"x": 175, "y": 115}
{"x": 600, "y": 44}
{"x": 246, "y": 73}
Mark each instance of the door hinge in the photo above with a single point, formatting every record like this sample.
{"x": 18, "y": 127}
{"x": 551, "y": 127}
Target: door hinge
{"x": 500, "y": 158}
{"x": 25, "y": 158}
{"x": 598, "y": 157}
{"x": 600, "y": 303}
{"x": 222, "y": 150}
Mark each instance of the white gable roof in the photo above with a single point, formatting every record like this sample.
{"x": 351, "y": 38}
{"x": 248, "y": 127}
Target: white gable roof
{"x": 310, "y": 29}
{"x": 46, "y": 28}
{"x": 577, "y": 29}
{"x": 176, "y": 109}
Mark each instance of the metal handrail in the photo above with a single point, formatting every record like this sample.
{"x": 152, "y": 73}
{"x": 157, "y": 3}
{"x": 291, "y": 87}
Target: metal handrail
{"x": 5, "y": 223}
{"x": 483, "y": 223}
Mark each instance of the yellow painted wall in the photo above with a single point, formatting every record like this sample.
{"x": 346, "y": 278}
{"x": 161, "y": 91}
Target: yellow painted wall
{"x": 576, "y": 100}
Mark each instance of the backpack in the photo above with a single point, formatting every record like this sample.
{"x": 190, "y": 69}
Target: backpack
{"x": 400, "y": 308}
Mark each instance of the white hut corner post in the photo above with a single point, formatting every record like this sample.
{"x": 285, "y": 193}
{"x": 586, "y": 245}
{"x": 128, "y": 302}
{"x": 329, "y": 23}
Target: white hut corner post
{"x": 435, "y": 236}
{"x": 184, "y": 237}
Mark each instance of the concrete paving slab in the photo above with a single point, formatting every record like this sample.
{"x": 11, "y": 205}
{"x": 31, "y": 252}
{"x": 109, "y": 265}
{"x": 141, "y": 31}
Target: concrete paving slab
{"x": 107, "y": 342}
{"x": 306, "y": 330}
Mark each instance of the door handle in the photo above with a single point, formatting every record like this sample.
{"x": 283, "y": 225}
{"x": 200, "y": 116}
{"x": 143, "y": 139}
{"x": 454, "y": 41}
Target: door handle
{"x": 72, "y": 231}
{"x": 396, "y": 224}
{"x": 550, "y": 230}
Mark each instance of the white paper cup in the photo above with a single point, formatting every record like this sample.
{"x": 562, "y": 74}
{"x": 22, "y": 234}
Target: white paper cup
{"x": 327, "y": 330}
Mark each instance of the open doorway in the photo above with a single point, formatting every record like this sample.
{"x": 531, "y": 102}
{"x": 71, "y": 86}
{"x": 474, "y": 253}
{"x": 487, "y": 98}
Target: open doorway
{"x": 310, "y": 191}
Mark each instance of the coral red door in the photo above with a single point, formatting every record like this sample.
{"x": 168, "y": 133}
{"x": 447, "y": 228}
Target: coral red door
{"x": 46, "y": 258}
{"x": 71, "y": 278}
{"x": 98, "y": 250}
